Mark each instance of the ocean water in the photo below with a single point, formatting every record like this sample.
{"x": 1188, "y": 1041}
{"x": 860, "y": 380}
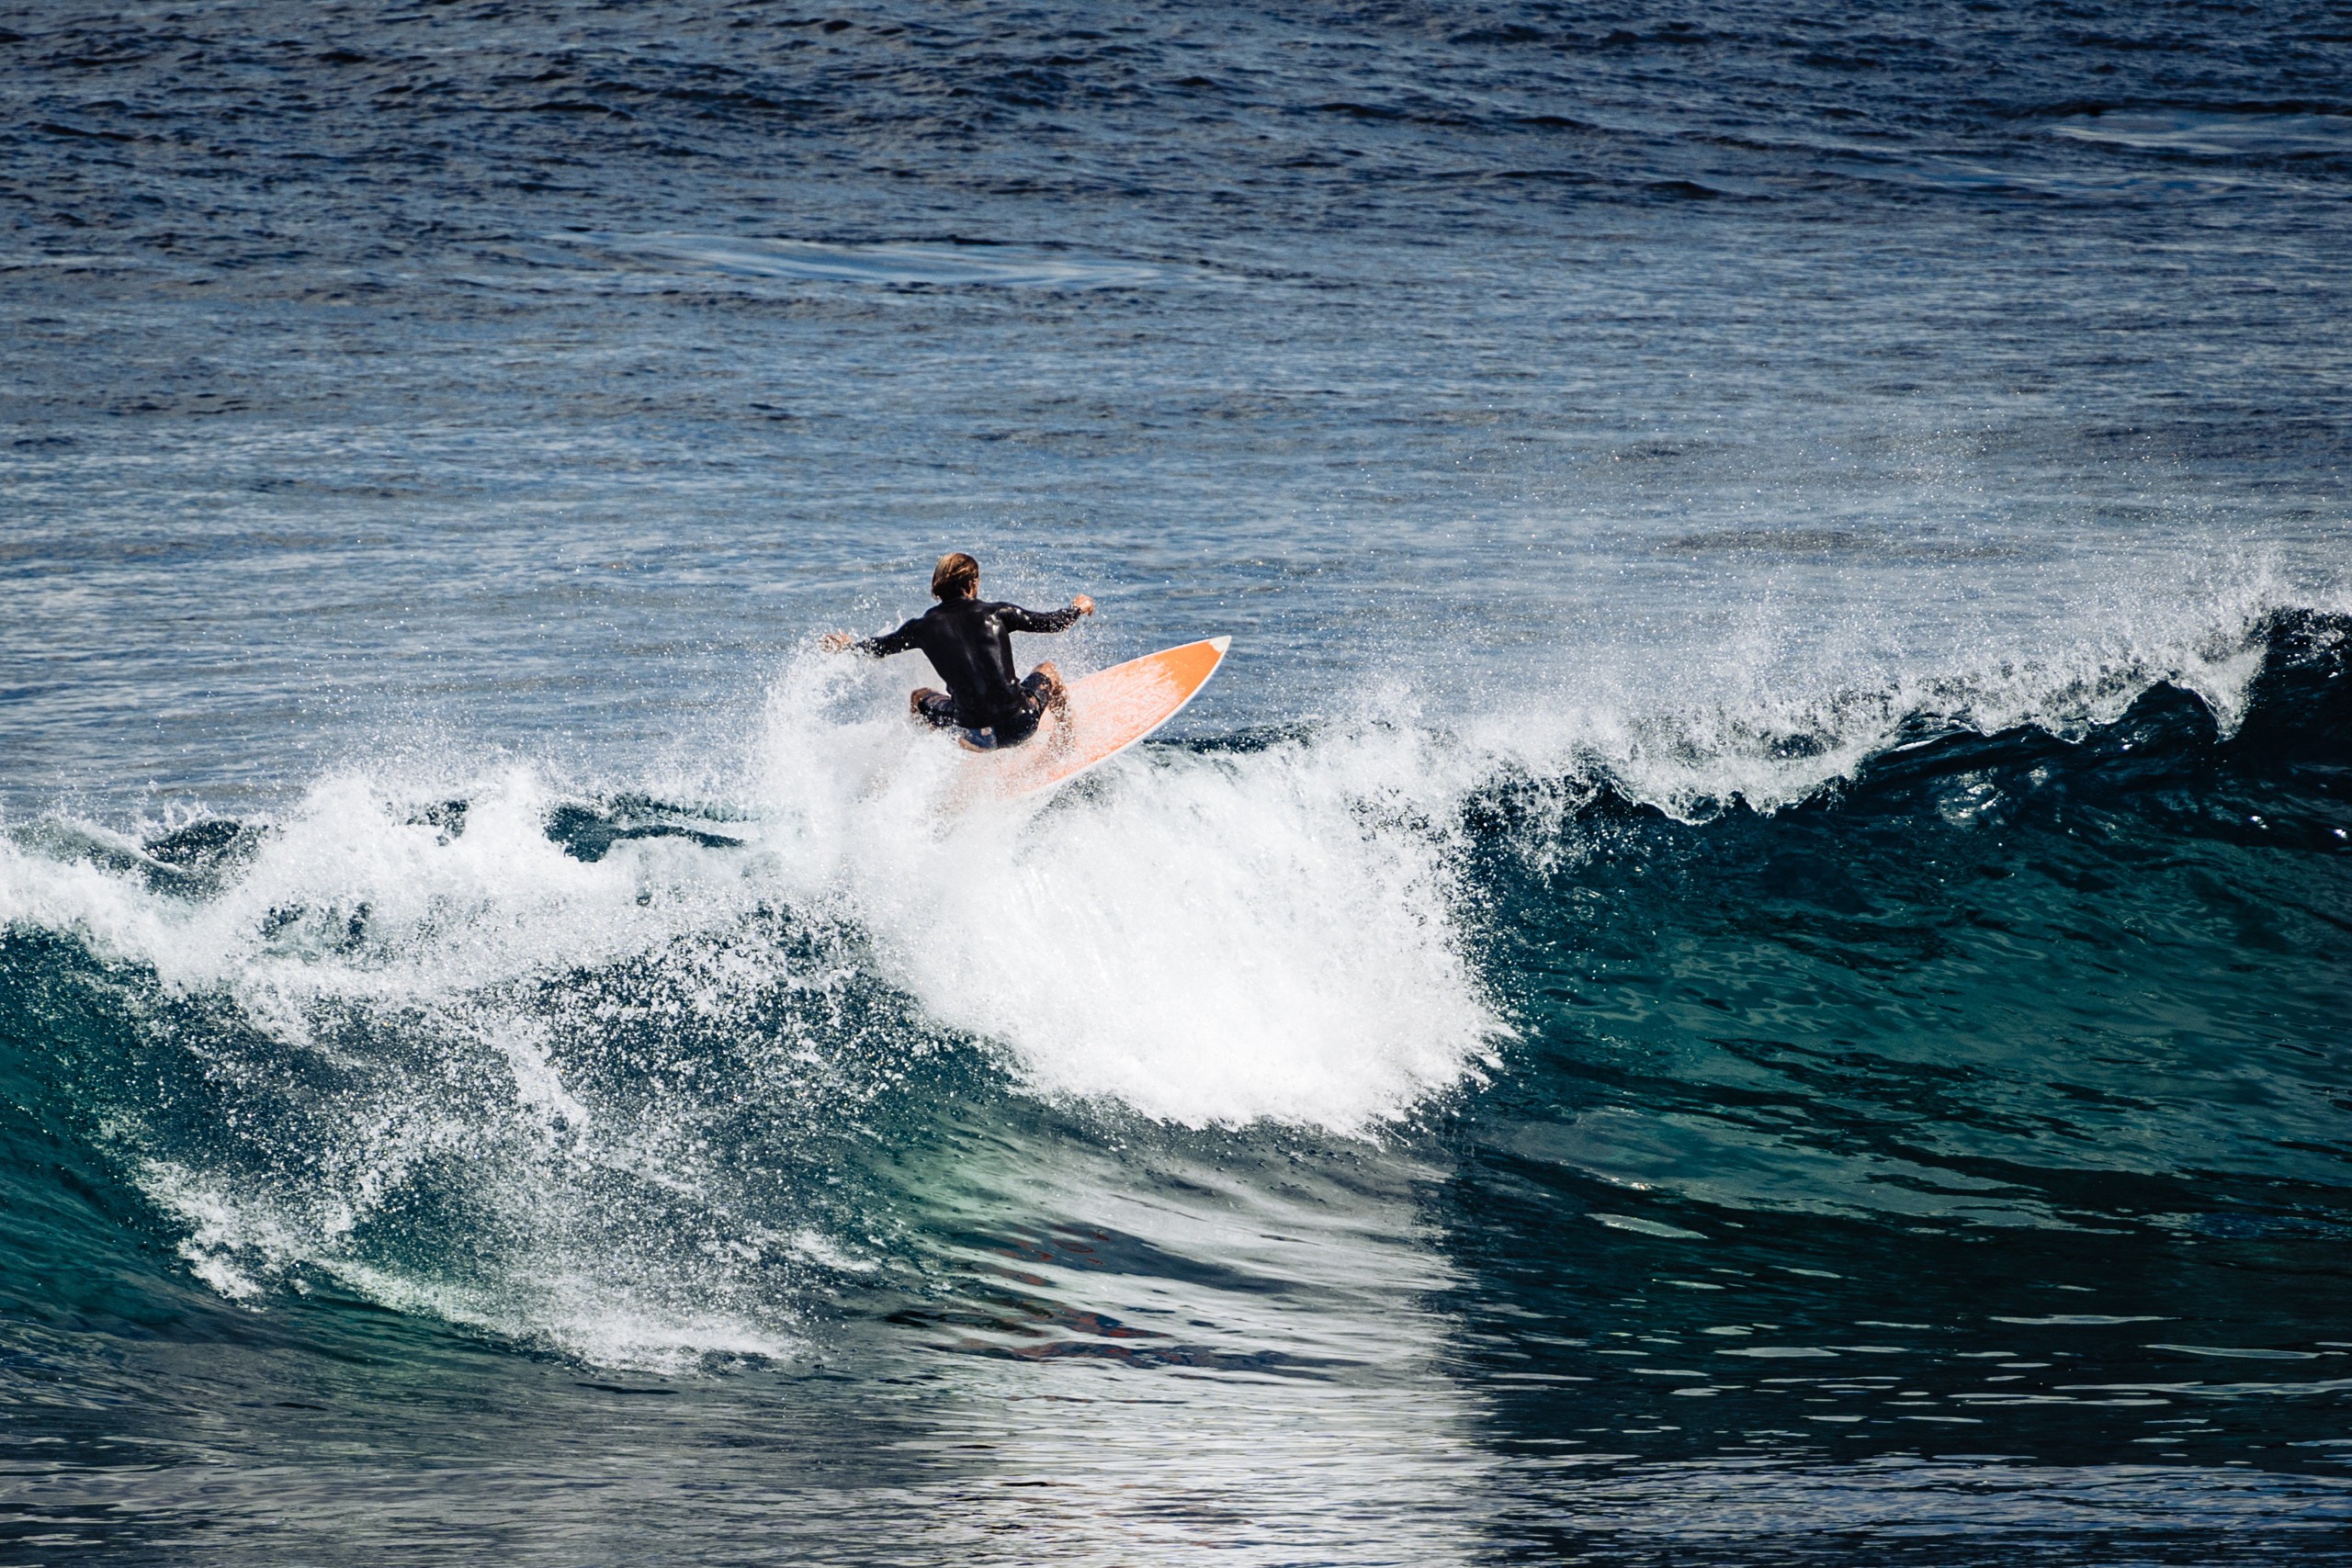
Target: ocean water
{"x": 1747, "y": 963}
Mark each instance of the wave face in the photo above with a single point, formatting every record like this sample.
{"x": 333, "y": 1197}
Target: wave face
{"x": 1746, "y": 964}
{"x": 490, "y": 1056}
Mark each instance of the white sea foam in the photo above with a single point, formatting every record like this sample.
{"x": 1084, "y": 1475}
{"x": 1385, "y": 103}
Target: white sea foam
{"x": 1203, "y": 939}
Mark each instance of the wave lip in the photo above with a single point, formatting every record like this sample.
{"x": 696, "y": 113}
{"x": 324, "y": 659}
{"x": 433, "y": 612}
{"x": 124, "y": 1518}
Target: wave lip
{"x": 2215, "y": 133}
{"x": 958, "y": 265}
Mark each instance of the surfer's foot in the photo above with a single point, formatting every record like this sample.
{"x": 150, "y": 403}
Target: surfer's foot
{"x": 1056, "y": 695}
{"x": 915, "y": 698}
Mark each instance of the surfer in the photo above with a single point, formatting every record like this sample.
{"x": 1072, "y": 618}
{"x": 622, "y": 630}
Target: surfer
{"x": 969, "y": 643}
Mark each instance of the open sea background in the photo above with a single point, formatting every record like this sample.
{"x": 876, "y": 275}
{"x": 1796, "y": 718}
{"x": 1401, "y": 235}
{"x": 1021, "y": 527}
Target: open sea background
{"x": 1748, "y": 962}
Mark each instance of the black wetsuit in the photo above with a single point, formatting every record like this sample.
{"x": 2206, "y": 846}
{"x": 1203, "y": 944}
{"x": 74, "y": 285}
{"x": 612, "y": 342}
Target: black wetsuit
{"x": 969, "y": 642}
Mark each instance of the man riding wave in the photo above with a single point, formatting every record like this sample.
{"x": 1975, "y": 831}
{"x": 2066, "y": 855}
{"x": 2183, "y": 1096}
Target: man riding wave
{"x": 969, "y": 643}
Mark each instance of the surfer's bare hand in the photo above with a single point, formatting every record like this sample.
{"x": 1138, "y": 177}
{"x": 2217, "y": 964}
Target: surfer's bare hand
{"x": 1081, "y": 603}
{"x": 834, "y": 642}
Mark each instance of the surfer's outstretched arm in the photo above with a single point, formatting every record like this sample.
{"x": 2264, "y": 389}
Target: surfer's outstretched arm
{"x": 1062, "y": 620}
{"x": 881, "y": 647}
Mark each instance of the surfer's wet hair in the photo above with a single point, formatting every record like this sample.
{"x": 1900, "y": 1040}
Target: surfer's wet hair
{"x": 957, "y": 576}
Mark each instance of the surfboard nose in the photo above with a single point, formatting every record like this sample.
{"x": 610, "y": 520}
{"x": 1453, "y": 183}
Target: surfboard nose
{"x": 1220, "y": 644}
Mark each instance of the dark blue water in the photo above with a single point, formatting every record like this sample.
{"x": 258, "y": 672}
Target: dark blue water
{"x": 1747, "y": 963}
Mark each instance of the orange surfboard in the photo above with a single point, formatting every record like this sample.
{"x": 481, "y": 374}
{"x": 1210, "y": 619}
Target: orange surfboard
{"x": 1109, "y": 711}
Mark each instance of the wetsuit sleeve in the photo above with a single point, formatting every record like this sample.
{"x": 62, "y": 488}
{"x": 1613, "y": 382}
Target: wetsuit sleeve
{"x": 1060, "y": 620}
{"x": 882, "y": 647}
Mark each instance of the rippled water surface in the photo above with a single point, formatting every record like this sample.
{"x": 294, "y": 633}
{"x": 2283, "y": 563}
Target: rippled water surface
{"x": 1747, "y": 963}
